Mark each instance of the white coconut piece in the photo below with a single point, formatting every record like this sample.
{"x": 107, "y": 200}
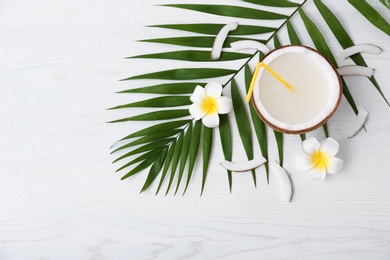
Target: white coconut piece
{"x": 285, "y": 183}
{"x": 249, "y": 44}
{"x": 243, "y": 166}
{"x": 358, "y": 123}
{"x": 367, "y": 48}
{"x": 352, "y": 70}
{"x": 220, "y": 39}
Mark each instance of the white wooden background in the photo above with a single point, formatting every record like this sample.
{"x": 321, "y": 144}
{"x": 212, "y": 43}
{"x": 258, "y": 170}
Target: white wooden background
{"x": 60, "y": 198}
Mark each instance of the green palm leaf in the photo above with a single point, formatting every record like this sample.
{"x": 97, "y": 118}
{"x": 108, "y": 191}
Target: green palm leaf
{"x": 157, "y": 115}
{"x": 371, "y": 15}
{"x": 277, "y": 43}
{"x": 143, "y": 165}
{"x": 175, "y": 160}
{"x": 207, "y": 145}
{"x": 226, "y": 143}
{"x": 149, "y": 138}
{"x": 213, "y": 28}
{"x": 184, "y": 155}
{"x": 145, "y": 148}
{"x": 169, "y": 101}
{"x": 167, "y": 88}
{"x": 194, "y": 148}
{"x": 292, "y": 34}
{"x": 279, "y": 3}
{"x": 195, "y": 56}
{"x": 185, "y": 74}
{"x": 155, "y": 170}
{"x": 243, "y": 125}
{"x": 279, "y": 142}
{"x": 142, "y": 158}
{"x": 157, "y": 128}
{"x": 386, "y": 3}
{"x": 345, "y": 40}
{"x": 326, "y": 131}
{"x": 167, "y": 163}
{"x": 196, "y": 41}
{"x": 231, "y": 11}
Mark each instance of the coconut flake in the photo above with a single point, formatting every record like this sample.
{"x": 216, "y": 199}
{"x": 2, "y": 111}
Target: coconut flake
{"x": 243, "y": 166}
{"x": 356, "y": 70}
{"x": 367, "y": 48}
{"x": 284, "y": 180}
{"x": 220, "y": 39}
{"x": 249, "y": 44}
{"x": 358, "y": 123}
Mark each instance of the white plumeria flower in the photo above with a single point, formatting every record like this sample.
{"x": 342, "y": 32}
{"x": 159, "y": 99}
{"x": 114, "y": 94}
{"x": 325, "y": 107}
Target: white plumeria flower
{"x": 208, "y": 103}
{"x": 319, "y": 158}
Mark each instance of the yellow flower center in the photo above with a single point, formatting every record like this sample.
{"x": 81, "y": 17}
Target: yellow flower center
{"x": 320, "y": 160}
{"x": 209, "y": 106}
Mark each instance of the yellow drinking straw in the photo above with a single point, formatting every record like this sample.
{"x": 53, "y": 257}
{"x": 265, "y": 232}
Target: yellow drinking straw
{"x": 273, "y": 73}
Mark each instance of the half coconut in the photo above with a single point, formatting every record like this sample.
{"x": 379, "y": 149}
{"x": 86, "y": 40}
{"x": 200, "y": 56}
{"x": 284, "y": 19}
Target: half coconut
{"x": 316, "y": 94}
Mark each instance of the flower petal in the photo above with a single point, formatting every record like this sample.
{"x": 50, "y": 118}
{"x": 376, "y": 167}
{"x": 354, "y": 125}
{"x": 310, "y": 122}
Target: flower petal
{"x": 310, "y": 145}
{"x": 213, "y": 90}
{"x": 329, "y": 146}
{"x": 304, "y": 162}
{"x": 334, "y": 165}
{"x": 317, "y": 173}
{"x": 211, "y": 120}
{"x": 196, "y": 111}
{"x": 224, "y": 105}
{"x": 199, "y": 95}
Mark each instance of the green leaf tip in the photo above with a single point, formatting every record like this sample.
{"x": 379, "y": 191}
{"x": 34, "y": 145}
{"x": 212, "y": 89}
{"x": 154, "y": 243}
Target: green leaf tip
{"x": 185, "y": 74}
{"x": 231, "y": 11}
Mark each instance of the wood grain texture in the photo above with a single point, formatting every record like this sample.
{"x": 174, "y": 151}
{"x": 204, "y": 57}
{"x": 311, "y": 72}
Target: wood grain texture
{"x": 61, "y": 199}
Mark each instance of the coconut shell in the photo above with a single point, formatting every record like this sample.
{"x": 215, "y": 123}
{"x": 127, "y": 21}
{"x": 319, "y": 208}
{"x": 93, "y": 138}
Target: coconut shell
{"x": 302, "y": 131}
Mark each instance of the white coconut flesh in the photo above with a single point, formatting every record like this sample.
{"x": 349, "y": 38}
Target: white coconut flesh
{"x": 220, "y": 39}
{"x": 285, "y": 183}
{"x": 249, "y": 44}
{"x": 245, "y": 165}
{"x": 355, "y": 70}
{"x": 367, "y": 48}
{"x": 358, "y": 123}
{"x": 316, "y": 94}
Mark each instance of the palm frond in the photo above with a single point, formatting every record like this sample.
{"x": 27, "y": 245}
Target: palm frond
{"x": 214, "y": 28}
{"x": 345, "y": 40}
{"x": 193, "y": 55}
{"x": 196, "y": 41}
{"x": 372, "y": 15}
{"x": 167, "y": 101}
{"x": 184, "y": 154}
{"x": 207, "y": 148}
{"x": 194, "y": 148}
{"x": 170, "y": 147}
{"x": 226, "y": 142}
{"x": 279, "y": 3}
{"x": 385, "y": 3}
{"x": 167, "y": 88}
{"x": 156, "y": 115}
{"x": 185, "y": 74}
{"x": 231, "y": 11}
{"x": 243, "y": 124}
